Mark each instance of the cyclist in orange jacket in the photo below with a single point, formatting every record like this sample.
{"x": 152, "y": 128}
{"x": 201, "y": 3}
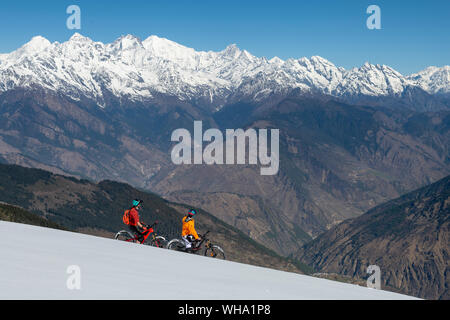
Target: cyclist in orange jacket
{"x": 188, "y": 233}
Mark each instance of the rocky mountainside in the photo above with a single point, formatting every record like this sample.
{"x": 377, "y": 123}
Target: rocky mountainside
{"x": 142, "y": 70}
{"x": 336, "y": 162}
{"x": 58, "y": 201}
{"x": 408, "y": 238}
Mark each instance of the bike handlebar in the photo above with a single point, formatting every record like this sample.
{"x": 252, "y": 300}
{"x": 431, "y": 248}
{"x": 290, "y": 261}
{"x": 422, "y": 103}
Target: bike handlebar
{"x": 203, "y": 236}
{"x": 154, "y": 224}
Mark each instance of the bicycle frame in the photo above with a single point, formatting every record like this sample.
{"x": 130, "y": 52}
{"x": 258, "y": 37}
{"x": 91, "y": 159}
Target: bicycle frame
{"x": 204, "y": 240}
{"x": 145, "y": 234}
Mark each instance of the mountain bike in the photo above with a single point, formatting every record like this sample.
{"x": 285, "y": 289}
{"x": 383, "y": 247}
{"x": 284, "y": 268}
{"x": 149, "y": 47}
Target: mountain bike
{"x": 210, "y": 249}
{"x": 155, "y": 241}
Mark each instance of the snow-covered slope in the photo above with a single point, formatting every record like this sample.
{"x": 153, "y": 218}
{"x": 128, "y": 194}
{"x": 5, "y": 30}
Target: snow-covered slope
{"x": 34, "y": 264}
{"x": 140, "y": 69}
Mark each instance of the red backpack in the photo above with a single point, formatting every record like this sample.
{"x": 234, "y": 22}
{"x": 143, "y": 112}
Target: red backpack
{"x": 126, "y": 217}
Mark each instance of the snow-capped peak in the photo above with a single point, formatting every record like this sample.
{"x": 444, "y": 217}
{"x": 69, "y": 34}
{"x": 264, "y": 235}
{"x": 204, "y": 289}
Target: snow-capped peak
{"x": 128, "y": 42}
{"x": 166, "y": 49}
{"x": 232, "y": 51}
{"x": 276, "y": 60}
{"x": 33, "y": 47}
{"x": 37, "y": 43}
{"x": 320, "y": 60}
{"x": 78, "y": 37}
{"x": 157, "y": 44}
{"x": 433, "y": 79}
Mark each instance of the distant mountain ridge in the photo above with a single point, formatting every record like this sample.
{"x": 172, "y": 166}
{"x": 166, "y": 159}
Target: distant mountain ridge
{"x": 408, "y": 238}
{"x": 16, "y": 214}
{"x": 141, "y": 70}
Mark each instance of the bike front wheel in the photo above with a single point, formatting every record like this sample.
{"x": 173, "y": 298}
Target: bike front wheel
{"x": 159, "y": 242}
{"x": 215, "y": 252}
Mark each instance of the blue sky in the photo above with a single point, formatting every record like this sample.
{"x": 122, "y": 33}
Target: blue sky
{"x": 414, "y": 34}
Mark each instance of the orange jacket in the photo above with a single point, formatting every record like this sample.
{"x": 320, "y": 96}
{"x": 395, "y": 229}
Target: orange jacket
{"x": 188, "y": 227}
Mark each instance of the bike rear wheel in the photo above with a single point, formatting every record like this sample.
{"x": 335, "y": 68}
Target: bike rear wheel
{"x": 177, "y": 245}
{"x": 124, "y": 235}
{"x": 215, "y": 252}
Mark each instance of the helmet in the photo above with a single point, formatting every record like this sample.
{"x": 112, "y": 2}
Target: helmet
{"x": 192, "y": 212}
{"x": 136, "y": 202}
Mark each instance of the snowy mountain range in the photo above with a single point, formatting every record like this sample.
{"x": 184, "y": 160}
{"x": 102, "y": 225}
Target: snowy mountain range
{"x": 140, "y": 70}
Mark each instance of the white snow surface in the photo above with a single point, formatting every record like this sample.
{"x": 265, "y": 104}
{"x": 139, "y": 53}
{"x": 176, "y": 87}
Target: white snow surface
{"x": 139, "y": 69}
{"x": 34, "y": 262}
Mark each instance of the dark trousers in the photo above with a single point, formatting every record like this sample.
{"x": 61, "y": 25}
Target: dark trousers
{"x": 138, "y": 232}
